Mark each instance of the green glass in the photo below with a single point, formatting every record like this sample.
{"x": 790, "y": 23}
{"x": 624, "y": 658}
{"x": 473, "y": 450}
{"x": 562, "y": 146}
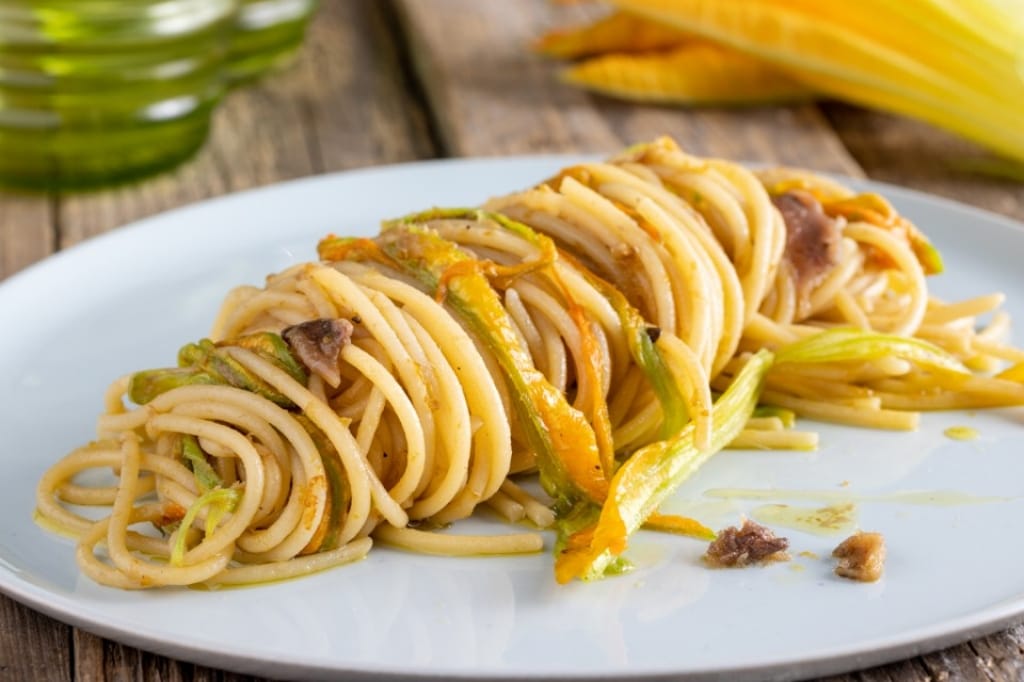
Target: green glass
{"x": 267, "y": 36}
{"x": 99, "y": 91}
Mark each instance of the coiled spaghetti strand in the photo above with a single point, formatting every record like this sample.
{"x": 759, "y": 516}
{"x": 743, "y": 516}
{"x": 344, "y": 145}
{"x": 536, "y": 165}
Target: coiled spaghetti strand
{"x": 483, "y": 394}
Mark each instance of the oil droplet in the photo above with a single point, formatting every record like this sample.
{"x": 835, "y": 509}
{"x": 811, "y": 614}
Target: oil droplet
{"x": 807, "y": 554}
{"x": 930, "y": 498}
{"x": 831, "y": 520}
{"x": 796, "y": 567}
{"x": 713, "y": 513}
{"x": 961, "y": 433}
{"x": 645, "y": 554}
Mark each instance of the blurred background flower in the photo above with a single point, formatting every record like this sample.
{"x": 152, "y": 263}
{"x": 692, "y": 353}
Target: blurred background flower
{"x": 958, "y": 64}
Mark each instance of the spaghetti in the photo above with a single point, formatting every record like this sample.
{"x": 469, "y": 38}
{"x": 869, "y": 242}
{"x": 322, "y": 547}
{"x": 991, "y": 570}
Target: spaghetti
{"x": 580, "y": 329}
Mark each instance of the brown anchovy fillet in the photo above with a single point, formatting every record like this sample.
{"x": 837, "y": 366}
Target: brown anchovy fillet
{"x": 751, "y": 544}
{"x": 812, "y": 241}
{"x": 318, "y": 344}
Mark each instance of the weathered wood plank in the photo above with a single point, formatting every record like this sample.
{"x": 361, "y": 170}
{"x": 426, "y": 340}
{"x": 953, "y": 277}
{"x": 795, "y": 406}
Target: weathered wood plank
{"x": 99, "y": 660}
{"x": 96, "y": 662}
{"x": 996, "y": 658}
{"x": 493, "y": 96}
{"x": 904, "y": 671}
{"x": 369, "y": 113}
{"x": 26, "y": 231}
{"x": 914, "y": 154}
{"x": 32, "y": 646}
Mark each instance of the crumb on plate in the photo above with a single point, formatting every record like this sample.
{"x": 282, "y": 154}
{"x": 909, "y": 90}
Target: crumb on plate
{"x": 861, "y": 557}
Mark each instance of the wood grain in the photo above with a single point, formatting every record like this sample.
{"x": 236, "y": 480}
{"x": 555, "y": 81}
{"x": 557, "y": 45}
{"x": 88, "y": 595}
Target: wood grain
{"x": 98, "y": 660}
{"x": 27, "y": 233}
{"x": 492, "y": 95}
{"x": 914, "y": 154}
{"x": 32, "y": 646}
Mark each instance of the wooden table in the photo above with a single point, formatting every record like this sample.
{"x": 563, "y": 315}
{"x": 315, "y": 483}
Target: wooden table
{"x": 385, "y": 82}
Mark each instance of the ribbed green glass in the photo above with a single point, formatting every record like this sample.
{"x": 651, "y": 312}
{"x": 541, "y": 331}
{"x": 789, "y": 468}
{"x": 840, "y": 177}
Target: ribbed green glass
{"x": 267, "y": 35}
{"x": 99, "y": 91}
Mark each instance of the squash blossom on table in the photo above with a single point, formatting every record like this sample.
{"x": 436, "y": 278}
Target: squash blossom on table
{"x": 957, "y": 64}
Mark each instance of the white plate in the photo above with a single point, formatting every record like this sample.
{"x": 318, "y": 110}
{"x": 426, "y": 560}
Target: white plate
{"x": 129, "y": 299}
